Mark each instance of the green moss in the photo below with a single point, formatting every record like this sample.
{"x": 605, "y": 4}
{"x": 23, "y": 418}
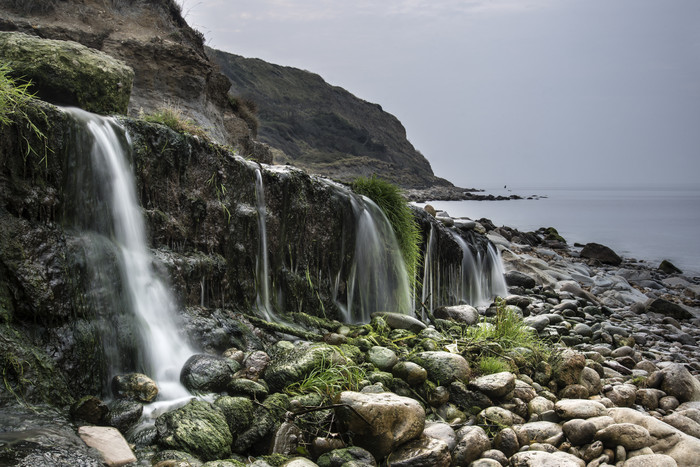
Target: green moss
{"x": 395, "y": 207}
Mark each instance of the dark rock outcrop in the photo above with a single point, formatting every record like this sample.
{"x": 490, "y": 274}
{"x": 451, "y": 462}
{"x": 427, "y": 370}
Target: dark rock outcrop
{"x": 601, "y": 253}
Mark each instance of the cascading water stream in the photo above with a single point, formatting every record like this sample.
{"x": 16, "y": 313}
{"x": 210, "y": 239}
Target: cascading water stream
{"x": 377, "y": 280}
{"x": 148, "y": 296}
{"x": 262, "y": 268}
{"x": 476, "y": 279}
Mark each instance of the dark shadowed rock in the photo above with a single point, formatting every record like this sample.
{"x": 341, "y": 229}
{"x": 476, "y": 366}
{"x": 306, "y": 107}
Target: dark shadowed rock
{"x": 664, "y": 307}
{"x": 123, "y": 414}
{"x": 519, "y": 279}
{"x": 207, "y": 373}
{"x": 668, "y": 267}
{"x": 601, "y": 253}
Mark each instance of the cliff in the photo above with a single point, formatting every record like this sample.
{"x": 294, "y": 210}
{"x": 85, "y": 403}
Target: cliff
{"x": 324, "y": 128}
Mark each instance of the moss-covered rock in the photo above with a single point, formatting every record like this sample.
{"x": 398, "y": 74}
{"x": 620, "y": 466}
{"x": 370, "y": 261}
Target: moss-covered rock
{"x": 198, "y": 428}
{"x": 238, "y": 412}
{"x": 67, "y": 73}
{"x": 292, "y": 362}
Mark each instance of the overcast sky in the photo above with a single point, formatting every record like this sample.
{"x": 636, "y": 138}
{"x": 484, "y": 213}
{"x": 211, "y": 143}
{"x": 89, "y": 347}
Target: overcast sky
{"x": 528, "y": 93}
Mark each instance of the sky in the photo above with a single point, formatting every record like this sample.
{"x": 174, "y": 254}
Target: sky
{"x": 524, "y": 93}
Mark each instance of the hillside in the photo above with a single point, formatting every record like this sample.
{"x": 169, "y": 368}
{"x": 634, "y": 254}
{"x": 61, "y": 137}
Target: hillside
{"x": 324, "y": 128}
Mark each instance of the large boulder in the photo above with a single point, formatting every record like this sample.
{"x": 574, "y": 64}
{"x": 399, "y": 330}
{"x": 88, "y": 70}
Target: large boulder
{"x": 678, "y": 382}
{"x": 68, "y": 73}
{"x": 198, "y": 428}
{"x": 380, "y": 422}
{"x": 600, "y": 253}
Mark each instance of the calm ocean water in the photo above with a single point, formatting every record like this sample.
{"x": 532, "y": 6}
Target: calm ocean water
{"x": 649, "y": 224}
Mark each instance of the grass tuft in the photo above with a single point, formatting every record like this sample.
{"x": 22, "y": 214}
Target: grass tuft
{"x": 390, "y": 199}
{"x": 175, "y": 119}
{"x": 329, "y": 379}
{"x": 14, "y": 99}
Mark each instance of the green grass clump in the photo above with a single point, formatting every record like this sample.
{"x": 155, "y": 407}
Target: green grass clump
{"x": 176, "y": 119}
{"x": 491, "y": 365}
{"x": 395, "y": 207}
{"x": 329, "y": 379}
{"x": 505, "y": 337}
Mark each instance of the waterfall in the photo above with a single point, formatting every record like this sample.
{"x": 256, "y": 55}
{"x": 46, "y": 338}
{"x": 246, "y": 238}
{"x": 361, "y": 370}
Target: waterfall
{"x": 377, "y": 279}
{"x": 477, "y": 278}
{"x": 106, "y": 205}
{"x": 262, "y": 266}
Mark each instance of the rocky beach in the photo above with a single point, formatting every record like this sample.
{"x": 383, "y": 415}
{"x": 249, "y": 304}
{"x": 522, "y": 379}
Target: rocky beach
{"x": 618, "y": 386}
{"x": 170, "y": 297}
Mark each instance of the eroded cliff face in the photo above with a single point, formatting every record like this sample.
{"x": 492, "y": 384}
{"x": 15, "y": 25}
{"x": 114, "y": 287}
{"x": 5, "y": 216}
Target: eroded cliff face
{"x": 167, "y": 56}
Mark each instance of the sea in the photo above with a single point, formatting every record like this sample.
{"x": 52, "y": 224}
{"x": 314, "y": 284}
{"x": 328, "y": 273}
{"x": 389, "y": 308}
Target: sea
{"x": 645, "y": 224}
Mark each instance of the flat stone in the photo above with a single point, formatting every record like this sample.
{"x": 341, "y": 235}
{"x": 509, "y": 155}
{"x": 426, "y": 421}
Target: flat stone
{"x": 545, "y": 459}
{"x": 109, "y": 442}
{"x": 579, "y": 408}
{"x": 422, "y": 452}
{"x": 400, "y": 321}
{"x": 651, "y": 460}
{"x": 495, "y": 385}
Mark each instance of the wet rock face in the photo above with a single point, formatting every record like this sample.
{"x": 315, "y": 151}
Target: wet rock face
{"x": 68, "y": 73}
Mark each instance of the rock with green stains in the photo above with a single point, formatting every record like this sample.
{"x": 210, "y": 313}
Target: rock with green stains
{"x": 238, "y": 412}
{"x": 68, "y": 73}
{"x": 198, "y": 428}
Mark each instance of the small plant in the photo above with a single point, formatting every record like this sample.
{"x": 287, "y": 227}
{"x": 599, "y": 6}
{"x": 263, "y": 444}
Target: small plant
{"x": 391, "y": 201}
{"x": 14, "y": 99}
{"x": 176, "y": 119}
